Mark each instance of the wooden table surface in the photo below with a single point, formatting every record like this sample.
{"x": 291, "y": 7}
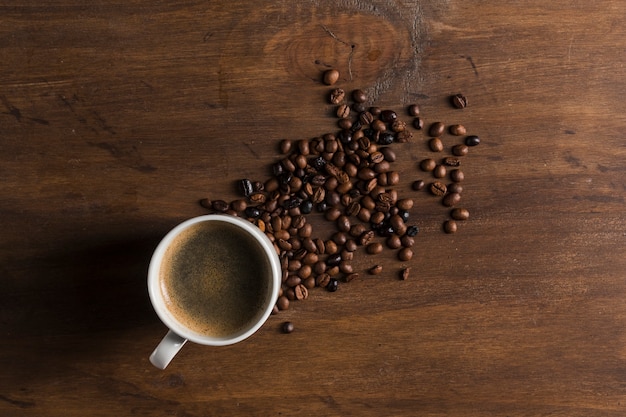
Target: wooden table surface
{"x": 117, "y": 117}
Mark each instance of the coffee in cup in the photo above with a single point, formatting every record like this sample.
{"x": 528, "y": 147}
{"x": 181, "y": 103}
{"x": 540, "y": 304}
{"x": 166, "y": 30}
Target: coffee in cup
{"x": 213, "y": 280}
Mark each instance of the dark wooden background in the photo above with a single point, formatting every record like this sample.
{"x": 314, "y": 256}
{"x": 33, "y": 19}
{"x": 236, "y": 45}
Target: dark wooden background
{"x": 116, "y": 117}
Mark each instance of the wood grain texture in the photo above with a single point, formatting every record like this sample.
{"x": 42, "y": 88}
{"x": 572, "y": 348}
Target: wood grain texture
{"x": 116, "y": 117}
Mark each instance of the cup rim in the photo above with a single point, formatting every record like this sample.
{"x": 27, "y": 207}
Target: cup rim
{"x": 171, "y": 322}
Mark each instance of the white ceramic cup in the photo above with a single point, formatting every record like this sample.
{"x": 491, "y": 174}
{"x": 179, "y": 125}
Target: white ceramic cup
{"x": 178, "y": 333}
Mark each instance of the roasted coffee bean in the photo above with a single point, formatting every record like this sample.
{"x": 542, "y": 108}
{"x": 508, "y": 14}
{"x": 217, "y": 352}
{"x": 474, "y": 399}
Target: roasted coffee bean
{"x": 375, "y": 110}
{"x": 306, "y": 207}
{"x": 418, "y": 123}
{"x": 405, "y": 254}
{"x": 396, "y": 222}
{"x": 287, "y": 327}
{"x": 449, "y": 226}
{"x": 345, "y": 267}
{"x": 439, "y": 171}
{"x": 292, "y": 203}
{"x": 366, "y": 238}
{"x": 412, "y": 231}
{"x": 393, "y": 242}
{"x": 345, "y": 136}
{"x": 405, "y": 204}
{"x": 322, "y": 280}
{"x": 333, "y": 285}
{"x": 388, "y": 116}
{"x": 353, "y": 209}
{"x": 436, "y": 129}
{"x": 398, "y": 126}
{"x": 282, "y": 303}
{"x": 438, "y": 188}
{"x": 418, "y": 185}
{"x": 309, "y": 283}
{"x": 472, "y": 140}
{"x": 385, "y": 138}
{"x": 219, "y": 205}
{"x": 337, "y": 96}
{"x": 359, "y": 96}
{"x": 343, "y": 111}
{"x": 375, "y": 270}
{"x": 455, "y": 187}
{"x": 435, "y": 145}
{"x": 351, "y": 277}
{"x": 343, "y": 223}
{"x": 301, "y": 292}
{"x": 403, "y": 136}
{"x": 359, "y": 107}
{"x": 378, "y": 125}
{"x": 374, "y": 248}
{"x": 388, "y": 153}
{"x": 331, "y": 247}
{"x": 393, "y": 178}
{"x": 407, "y": 241}
{"x": 319, "y": 267}
{"x": 317, "y": 163}
{"x": 459, "y": 101}
{"x": 378, "y": 217}
{"x": 333, "y": 270}
{"x": 413, "y": 110}
{"x": 305, "y": 271}
{"x": 293, "y": 280}
{"x": 460, "y": 150}
{"x": 340, "y": 238}
{"x": 451, "y": 161}
{"x": 460, "y": 214}
{"x": 457, "y": 130}
{"x": 252, "y": 212}
{"x": 332, "y": 214}
{"x": 258, "y": 198}
{"x": 311, "y": 258}
{"x": 285, "y": 146}
{"x": 428, "y": 164}
{"x": 206, "y": 203}
{"x": 451, "y": 199}
{"x": 366, "y": 118}
{"x": 245, "y": 187}
{"x": 319, "y": 195}
{"x": 239, "y": 205}
{"x": 457, "y": 175}
{"x": 404, "y": 274}
{"x": 331, "y": 76}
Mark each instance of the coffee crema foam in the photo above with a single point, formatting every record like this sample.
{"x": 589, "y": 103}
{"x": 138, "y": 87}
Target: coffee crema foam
{"x": 214, "y": 279}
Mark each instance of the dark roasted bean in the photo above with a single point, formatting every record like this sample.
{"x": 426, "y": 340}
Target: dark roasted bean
{"x": 459, "y": 101}
{"x": 333, "y": 285}
{"x": 472, "y": 140}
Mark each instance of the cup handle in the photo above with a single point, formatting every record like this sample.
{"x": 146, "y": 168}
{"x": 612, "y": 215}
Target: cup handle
{"x": 167, "y": 349}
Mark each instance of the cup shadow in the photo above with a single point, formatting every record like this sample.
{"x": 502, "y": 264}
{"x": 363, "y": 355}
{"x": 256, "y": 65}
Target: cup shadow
{"x": 73, "y": 305}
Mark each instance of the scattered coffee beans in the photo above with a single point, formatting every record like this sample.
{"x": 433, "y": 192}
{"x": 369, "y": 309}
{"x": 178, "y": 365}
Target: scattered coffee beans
{"x": 348, "y": 178}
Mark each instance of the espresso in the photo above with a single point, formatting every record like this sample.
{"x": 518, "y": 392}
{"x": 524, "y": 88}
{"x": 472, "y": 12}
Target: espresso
{"x": 215, "y": 278}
